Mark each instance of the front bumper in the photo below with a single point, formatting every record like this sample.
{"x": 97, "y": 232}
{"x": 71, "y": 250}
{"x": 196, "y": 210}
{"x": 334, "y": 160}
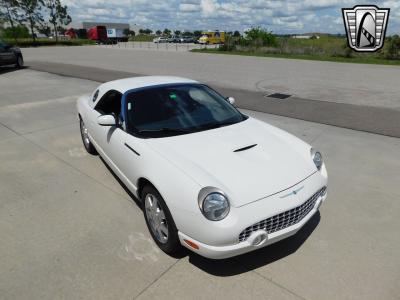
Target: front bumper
{"x": 226, "y": 251}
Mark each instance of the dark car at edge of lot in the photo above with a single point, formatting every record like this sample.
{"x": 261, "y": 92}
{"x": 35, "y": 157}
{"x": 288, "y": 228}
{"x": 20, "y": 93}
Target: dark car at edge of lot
{"x": 186, "y": 39}
{"x": 10, "y": 55}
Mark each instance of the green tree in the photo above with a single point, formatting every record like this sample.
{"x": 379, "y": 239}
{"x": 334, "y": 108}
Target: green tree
{"x": 166, "y": 31}
{"x": 236, "y": 33}
{"x": 197, "y": 33}
{"x": 18, "y": 32}
{"x": 177, "y": 32}
{"x": 45, "y": 29}
{"x": 58, "y": 14}
{"x": 158, "y": 32}
{"x": 145, "y": 31}
{"x": 128, "y": 32}
{"x": 31, "y": 14}
{"x": 9, "y": 13}
{"x": 260, "y": 37}
{"x": 392, "y": 49}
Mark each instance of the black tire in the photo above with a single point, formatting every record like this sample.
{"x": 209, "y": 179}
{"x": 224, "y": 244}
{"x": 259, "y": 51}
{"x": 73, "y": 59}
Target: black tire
{"x": 85, "y": 139}
{"x": 172, "y": 245}
{"x": 20, "y": 62}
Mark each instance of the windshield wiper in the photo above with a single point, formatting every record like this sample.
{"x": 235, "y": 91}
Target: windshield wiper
{"x": 217, "y": 125}
{"x": 165, "y": 130}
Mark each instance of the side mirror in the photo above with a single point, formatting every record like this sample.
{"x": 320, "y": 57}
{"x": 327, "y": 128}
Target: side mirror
{"x": 106, "y": 120}
{"x": 231, "y": 100}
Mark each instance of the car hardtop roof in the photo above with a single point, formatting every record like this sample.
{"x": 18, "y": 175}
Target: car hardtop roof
{"x": 124, "y": 85}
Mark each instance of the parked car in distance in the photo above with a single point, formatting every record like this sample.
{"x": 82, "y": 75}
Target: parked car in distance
{"x": 10, "y": 55}
{"x": 210, "y": 178}
{"x": 174, "y": 39}
{"x": 160, "y": 39}
{"x": 186, "y": 39}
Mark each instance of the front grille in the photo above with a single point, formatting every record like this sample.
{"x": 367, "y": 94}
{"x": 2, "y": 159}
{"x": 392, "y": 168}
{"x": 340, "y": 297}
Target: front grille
{"x": 283, "y": 220}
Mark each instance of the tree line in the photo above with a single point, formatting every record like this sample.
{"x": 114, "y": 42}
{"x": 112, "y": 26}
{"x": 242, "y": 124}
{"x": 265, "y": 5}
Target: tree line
{"x": 42, "y": 16}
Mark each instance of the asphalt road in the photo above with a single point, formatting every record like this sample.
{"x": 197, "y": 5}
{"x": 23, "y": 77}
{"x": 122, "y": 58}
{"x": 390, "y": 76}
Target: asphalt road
{"x": 379, "y": 120}
{"x": 69, "y": 230}
{"x": 370, "y": 85}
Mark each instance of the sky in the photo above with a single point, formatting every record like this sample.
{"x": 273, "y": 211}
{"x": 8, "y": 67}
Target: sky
{"x": 290, "y": 16}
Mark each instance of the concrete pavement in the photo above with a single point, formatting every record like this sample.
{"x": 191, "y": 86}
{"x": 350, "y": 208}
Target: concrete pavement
{"x": 69, "y": 230}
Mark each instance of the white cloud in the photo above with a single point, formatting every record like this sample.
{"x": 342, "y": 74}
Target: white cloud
{"x": 208, "y": 7}
{"x": 279, "y": 16}
{"x": 189, "y": 7}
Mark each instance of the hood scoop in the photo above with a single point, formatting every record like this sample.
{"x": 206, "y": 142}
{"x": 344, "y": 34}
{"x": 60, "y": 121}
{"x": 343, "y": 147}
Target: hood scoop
{"x": 245, "y": 148}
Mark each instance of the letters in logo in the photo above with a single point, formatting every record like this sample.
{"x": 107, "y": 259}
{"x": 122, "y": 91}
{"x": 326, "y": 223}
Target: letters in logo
{"x": 365, "y": 27}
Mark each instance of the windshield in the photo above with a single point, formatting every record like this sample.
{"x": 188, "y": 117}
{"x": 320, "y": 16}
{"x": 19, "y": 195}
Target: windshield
{"x": 178, "y": 109}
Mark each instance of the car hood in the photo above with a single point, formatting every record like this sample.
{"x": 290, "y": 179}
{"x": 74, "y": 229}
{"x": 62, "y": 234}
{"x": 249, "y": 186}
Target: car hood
{"x": 223, "y": 158}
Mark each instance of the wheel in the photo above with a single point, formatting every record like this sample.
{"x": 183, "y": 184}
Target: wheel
{"x": 20, "y": 62}
{"x": 85, "y": 139}
{"x": 159, "y": 221}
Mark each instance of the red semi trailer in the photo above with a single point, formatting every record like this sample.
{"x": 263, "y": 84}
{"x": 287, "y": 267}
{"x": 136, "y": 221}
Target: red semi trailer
{"x": 98, "y": 34}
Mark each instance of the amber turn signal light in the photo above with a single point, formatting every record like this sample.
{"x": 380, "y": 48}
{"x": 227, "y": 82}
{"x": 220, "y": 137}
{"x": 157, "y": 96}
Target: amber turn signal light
{"x": 191, "y": 244}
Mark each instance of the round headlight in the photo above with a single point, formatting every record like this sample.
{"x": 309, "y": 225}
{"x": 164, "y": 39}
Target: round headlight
{"x": 215, "y": 207}
{"x": 214, "y": 204}
{"x": 317, "y": 158}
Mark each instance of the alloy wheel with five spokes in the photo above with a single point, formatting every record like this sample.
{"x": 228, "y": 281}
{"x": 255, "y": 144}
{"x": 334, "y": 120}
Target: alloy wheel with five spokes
{"x": 156, "y": 218}
{"x": 159, "y": 220}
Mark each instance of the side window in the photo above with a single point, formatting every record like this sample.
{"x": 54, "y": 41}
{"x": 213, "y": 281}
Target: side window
{"x": 96, "y": 94}
{"x": 110, "y": 103}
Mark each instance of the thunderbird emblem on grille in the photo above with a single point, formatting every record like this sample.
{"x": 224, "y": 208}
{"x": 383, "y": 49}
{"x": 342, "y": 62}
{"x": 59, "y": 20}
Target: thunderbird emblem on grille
{"x": 294, "y": 192}
{"x": 365, "y": 27}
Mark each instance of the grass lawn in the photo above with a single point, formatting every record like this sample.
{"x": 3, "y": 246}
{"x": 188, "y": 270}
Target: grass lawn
{"x": 355, "y": 59}
{"x": 28, "y": 42}
{"x": 326, "y": 48}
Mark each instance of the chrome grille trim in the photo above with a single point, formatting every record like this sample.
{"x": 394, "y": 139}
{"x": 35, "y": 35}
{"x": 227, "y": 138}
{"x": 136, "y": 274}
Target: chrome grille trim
{"x": 284, "y": 219}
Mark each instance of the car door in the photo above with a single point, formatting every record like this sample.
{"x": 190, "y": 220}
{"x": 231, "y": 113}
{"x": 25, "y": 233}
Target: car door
{"x": 7, "y": 56}
{"x": 3, "y": 54}
{"x": 118, "y": 148}
{"x": 126, "y": 154}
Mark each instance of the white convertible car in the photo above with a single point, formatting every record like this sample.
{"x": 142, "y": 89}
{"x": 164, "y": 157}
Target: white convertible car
{"x": 209, "y": 177}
